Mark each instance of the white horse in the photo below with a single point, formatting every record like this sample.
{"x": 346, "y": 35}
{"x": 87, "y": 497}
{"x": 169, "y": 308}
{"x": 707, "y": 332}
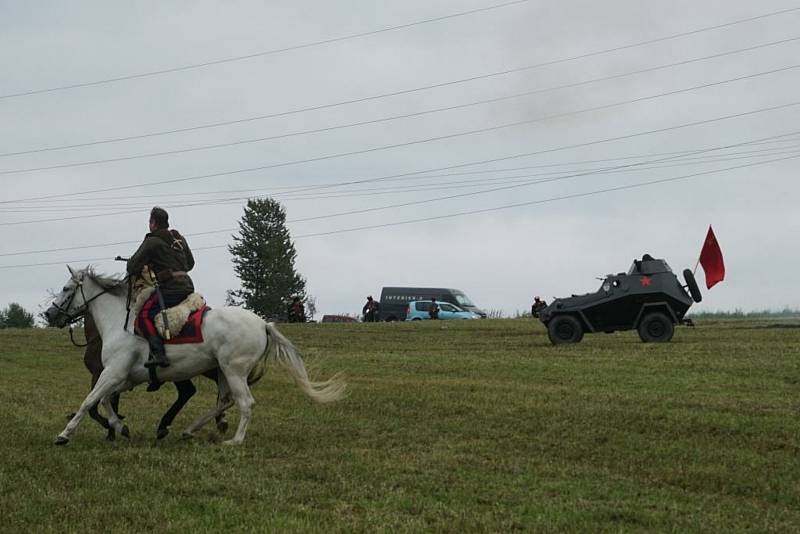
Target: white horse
{"x": 235, "y": 340}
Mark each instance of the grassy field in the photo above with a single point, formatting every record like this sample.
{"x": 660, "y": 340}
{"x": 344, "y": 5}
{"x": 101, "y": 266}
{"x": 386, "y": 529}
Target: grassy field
{"x": 468, "y": 426}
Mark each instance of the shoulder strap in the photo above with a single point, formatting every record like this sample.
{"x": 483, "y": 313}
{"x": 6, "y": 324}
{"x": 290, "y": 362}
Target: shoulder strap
{"x": 177, "y": 240}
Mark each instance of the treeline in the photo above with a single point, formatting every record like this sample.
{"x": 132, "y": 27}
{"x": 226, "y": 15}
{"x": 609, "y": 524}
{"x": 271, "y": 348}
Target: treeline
{"x": 15, "y": 316}
{"x": 740, "y": 314}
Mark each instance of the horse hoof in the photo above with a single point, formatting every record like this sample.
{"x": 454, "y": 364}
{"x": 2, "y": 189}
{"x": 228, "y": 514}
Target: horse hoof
{"x": 161, "y": 433}
{"x": 231, "y": 442}
{"x": 60, "y": 440}
{"x": 111, "y": 435}
{"x": 222, "y": 427}
{"x": 186, "y": 435}
{"x": 125, "y": 432}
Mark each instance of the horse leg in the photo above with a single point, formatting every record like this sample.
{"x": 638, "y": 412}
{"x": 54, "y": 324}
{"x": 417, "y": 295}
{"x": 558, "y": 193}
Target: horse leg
{"x": 222, "y": 423}
{"x": 219, "y": 410}
{"x": 94, "y": 413}
{"x": 241, "y": 394}
{"x": 115, "y": 404}
{"x": 114, "y": 420}
{"x": 223, "y": 403}
{"x": 186, "y": 391}
{"x": 108, "y": 382}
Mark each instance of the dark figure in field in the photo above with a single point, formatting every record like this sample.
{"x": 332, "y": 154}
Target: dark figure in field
{"x": 297, "y": 311}
{"x": 92, "y": 358}
{"x": 434, "y": 311}
{"x": 169, "y": 259}
{"x": 538, "y": 305}
{"x": 370, "y": 310}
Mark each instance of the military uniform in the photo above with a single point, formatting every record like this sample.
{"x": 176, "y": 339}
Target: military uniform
{"x": 169, "y": 258}
{"x": 370, "y": 310}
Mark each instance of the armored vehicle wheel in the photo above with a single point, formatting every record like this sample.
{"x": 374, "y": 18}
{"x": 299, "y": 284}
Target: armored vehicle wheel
{"x": 691, "y": 283}
{"x": 564, "y": 329}
{"x": 656, "y": 328}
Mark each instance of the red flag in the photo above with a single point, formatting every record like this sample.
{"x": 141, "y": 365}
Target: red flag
{"x": 711, "y": 260}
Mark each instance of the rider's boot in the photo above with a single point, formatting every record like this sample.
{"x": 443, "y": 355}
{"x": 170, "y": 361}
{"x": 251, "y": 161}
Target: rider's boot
{"x": 158, "y": 356}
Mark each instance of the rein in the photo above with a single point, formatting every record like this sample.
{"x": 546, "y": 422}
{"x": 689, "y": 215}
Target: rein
{"x": 88, "y": 341}
{"x": 80, "y": 312}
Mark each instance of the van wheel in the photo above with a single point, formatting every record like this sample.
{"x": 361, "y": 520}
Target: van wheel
{"x": 564, "y": 329}
{"x": 656, "y": 328}
{"x": 391, "y": 319}
{"x": 416, "y": 319}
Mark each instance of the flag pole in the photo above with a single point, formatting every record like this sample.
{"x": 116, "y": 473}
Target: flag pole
{"x": 699, "y": 256}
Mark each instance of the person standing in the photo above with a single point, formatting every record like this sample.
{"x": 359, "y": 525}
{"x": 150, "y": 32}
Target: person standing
{"x": 168, "y": 256}
{"x": 370, "y": 310}
{"x": 297, "y": 311}
{"x": 538, "y": 305}
{"x": 434, "y": 310}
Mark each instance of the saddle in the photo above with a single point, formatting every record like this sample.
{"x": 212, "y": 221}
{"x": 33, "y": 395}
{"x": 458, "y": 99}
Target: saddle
{"x": 184, "y": 319}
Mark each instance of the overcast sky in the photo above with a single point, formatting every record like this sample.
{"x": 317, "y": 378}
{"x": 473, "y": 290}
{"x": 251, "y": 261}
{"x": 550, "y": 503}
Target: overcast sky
{"x": 591, "y": 113}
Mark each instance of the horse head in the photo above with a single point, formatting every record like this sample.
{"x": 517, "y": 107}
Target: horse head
{"x": 70, "y": 304}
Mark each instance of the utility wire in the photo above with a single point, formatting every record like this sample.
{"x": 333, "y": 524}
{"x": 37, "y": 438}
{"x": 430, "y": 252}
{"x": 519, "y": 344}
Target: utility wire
{"x": 469, "y": 212}
{"x": 276, "y": 51}
{"x": 364, "y": 123}
{"x": 524, "y": 179}
{"x": 606, "y": 170}
{"x": 441, "y": 137}
{"x": 395, "y": 93}
{"x": 535, "y": 202}
{"x": 284, "y": 191}
{"x": 413, "y": 173}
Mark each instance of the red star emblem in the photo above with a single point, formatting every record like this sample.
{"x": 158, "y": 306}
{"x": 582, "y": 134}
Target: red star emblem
{"x": 645, "y": 280}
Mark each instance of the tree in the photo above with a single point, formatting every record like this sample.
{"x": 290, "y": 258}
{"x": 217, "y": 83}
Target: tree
{"x": 15, "y": 316}
{"x": 263, "y": 259}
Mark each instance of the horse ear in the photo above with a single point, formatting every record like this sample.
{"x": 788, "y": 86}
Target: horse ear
{"x": 71, "y": 272}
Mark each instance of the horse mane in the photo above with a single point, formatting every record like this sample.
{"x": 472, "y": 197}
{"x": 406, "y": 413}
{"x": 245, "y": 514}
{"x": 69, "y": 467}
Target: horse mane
{"x": 111, "y": 283}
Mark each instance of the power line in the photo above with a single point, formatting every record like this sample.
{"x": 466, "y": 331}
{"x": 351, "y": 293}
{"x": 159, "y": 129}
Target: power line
{"x": 282, "y": 191}
{"x": 523, "y": 179}
{"x": 630, "y": 166}
{"x": 385, "y": 95}
{"x": 412, "y": 173}
{"x": 469, "y": 212}
{"x": 441, "y": 137}
{"x": 273, "y": 51}
{"x": 543, "y": 201}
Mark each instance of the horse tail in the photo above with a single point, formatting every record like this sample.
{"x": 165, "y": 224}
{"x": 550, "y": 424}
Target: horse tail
{"x": 286, "y": 354}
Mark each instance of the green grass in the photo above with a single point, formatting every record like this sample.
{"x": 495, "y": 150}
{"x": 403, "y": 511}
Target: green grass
{"x": 468, "y": 426}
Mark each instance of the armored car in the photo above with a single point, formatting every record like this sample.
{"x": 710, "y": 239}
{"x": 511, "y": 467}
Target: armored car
{"x": 648, "y": 298}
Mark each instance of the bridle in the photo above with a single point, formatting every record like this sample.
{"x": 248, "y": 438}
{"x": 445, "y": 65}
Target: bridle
{"x": 76, "y": 315}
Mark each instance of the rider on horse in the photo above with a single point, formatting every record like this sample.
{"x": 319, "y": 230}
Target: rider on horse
{"x": 168, "y": 257}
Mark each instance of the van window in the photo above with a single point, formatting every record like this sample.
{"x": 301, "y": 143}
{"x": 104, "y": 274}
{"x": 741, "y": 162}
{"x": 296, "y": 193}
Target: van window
{"x": 447, "y": 307}
{"x": 463, "y": 300}
{"x": 423, "y": 306}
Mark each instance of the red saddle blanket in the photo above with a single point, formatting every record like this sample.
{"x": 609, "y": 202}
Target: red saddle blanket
{"x": 192, "y": 331}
